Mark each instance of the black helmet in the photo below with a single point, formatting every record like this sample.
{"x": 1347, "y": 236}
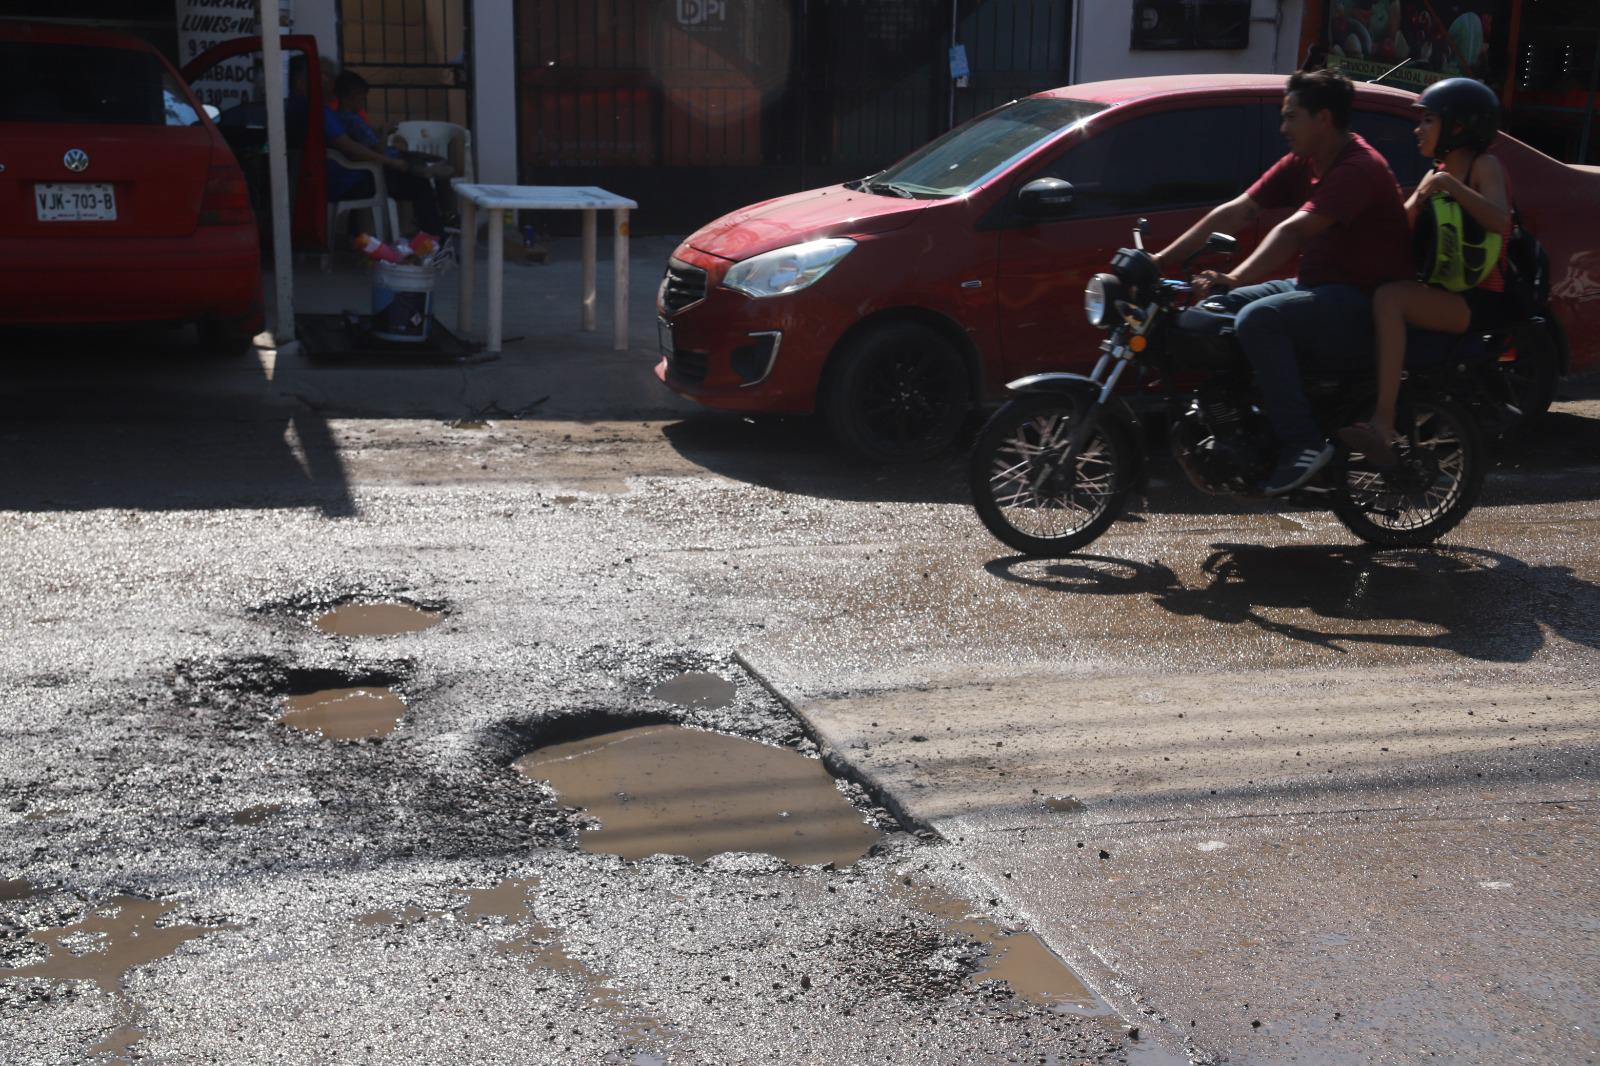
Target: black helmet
{"x": 1468, "y": 110}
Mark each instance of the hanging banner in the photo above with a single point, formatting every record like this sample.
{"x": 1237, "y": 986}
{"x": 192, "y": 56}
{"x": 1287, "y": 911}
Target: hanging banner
{"x": 203, "y": 23}
{"x": 1435, "y": 39}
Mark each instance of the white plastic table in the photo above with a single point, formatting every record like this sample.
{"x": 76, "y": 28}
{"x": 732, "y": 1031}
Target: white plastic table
{"x": 497, "y": 200}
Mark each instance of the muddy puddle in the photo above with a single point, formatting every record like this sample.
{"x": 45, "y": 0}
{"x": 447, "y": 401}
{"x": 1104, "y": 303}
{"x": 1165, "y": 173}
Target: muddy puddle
{"x": 15, "y": 890}
{"x": 539, "y": 947}
{"x": 376, "y": 620}
{"x": 665, "y": 789}
{"x": 345, "y": 713}
{"x": 103, "y": 946}
{"x": 1017, "y": 957}
{"x": 695, "y": 690}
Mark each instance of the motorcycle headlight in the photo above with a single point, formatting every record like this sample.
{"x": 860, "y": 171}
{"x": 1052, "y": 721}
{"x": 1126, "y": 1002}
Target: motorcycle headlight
{"x": 1100, "y": 297}
{"x": 786, "y": 270}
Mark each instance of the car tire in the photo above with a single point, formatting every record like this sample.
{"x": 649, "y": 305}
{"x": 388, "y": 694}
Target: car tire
{"x": 897, "y": 393}
{"x": 226, "y": 338}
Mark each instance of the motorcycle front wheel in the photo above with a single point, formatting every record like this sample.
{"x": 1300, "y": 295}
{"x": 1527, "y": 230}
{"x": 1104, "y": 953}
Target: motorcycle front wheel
{"x": 1023, "y": 492}
{"x": 1434, "y": 486}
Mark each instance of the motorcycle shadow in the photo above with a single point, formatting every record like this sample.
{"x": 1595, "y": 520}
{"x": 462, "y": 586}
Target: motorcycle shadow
{"x": 1476, "y": 603}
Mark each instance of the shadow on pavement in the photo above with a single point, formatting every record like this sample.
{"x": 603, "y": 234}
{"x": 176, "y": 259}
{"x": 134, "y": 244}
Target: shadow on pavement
{"x": 1479, "y": 604}
{"x": 147, "y": 420}
{"x": 796, "y": 455}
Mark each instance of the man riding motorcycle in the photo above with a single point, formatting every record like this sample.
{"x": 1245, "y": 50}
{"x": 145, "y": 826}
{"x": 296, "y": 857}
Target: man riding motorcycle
{"x": 1351, "y": 233}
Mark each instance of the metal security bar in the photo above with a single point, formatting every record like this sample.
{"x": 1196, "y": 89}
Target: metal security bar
{"x": 413, "y": 54}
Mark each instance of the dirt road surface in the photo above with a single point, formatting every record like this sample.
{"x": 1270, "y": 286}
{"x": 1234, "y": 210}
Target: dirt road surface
{"x": 1274, "y": 798}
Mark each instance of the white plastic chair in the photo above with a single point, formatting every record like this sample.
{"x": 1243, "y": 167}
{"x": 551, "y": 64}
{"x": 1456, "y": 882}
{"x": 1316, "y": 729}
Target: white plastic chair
{"x": 385, "y": 215}
{"x": 437, "y": 138}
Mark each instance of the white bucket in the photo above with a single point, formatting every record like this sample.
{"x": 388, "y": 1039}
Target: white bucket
{"x": 402, "y": 302}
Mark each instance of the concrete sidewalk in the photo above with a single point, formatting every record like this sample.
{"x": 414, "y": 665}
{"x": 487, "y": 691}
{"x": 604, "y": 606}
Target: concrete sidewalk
{"x": 550, "y": 367}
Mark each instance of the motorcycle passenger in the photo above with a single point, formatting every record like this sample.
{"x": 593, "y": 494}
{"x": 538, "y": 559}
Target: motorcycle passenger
{"x": 1466, "y": 192}
{"x": 1349, "y": 229}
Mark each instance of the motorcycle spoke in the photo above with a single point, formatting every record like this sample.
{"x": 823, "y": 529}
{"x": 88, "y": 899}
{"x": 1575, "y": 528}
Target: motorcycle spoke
{"x": 1047, "y": 510}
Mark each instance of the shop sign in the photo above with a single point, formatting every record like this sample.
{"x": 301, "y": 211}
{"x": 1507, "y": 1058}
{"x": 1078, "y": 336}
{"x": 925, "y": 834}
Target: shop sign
{"x": 702, "y": 14}
{"x": 1434, "y": 40}
{"x": 203, "y": 23}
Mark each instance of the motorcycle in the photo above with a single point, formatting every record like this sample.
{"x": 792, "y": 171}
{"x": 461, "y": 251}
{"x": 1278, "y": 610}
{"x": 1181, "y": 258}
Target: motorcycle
{"x": 1054, "y": 466}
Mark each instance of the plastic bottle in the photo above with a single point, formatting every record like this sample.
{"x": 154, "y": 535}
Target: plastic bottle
{"x": 376, "y": 250}
{"x": 424, "y": 244}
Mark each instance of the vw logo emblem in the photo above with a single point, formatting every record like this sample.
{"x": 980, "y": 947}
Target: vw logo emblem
{"x": 76, "y": 160}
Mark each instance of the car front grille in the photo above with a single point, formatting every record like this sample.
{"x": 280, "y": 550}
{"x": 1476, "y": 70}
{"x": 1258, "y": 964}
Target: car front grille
{"x": 683, "y": 285}
{"x": 687, "y": 366}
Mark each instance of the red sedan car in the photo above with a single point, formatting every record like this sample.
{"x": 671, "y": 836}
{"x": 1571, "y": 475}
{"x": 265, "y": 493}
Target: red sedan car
{"x": 896, "y": 303}
{"x": 119, "y": 200}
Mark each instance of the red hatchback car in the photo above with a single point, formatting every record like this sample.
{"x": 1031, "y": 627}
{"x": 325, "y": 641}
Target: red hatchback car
{"x": 119, "y": 200}
{"x": 895, "y": 303}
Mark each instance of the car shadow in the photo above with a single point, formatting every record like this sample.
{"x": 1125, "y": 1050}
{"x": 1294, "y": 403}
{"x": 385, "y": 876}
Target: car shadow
{"x": 1479, "y": 604}
{"x": 148, "y": 420}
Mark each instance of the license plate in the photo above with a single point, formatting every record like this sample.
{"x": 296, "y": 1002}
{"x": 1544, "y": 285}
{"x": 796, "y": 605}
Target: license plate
{"x": 664, "y": 336}
{"x": 61, "y": 202}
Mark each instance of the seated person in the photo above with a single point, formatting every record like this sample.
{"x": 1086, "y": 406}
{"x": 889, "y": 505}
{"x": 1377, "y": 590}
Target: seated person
{"x": 348, "y": 133}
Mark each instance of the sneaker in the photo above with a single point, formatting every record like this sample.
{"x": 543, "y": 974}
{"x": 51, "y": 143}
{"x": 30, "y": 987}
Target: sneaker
{"x": 1296, "y": 466}
{"x": 1363, "y": 439}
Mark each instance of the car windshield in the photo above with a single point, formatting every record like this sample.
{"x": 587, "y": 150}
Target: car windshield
{"x": 976, "y": 151}
{"x": 80, "y": 83}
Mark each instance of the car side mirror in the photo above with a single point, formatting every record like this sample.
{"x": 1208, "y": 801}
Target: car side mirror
{"x": 1221, "y": 243}
{"x": 1044, "y": 198}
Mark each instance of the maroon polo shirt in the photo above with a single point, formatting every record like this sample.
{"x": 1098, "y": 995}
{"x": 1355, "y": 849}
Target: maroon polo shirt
{"x": 1369, "y": 242}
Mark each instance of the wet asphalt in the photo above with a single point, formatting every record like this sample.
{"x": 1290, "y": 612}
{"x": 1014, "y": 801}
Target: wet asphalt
{"x": 165, "y": 564}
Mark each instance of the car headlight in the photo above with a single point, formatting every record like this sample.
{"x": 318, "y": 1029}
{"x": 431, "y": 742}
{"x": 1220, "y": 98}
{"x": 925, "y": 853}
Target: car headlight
{"x": 786, "y": 270}
{"x": 1099, "y": 297}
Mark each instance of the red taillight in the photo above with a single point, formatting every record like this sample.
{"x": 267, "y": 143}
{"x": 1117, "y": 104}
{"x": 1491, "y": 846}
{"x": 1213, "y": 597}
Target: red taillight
{"x": 227, "y": 198}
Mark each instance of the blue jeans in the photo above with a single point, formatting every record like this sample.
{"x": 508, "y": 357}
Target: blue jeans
{"x": 1284, "y": 326}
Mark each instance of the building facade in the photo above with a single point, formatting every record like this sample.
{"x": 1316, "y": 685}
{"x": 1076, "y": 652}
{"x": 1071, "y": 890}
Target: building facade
{"x": 693, "y": 107}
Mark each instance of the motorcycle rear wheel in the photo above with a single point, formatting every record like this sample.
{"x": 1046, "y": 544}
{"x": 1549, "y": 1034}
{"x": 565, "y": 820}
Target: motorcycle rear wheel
{"x": 1447, "y": 462}
{"x": 1027, "y": 505}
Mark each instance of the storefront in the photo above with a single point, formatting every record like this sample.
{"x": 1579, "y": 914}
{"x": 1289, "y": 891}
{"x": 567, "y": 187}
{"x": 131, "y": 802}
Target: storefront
{"x": 1541, "y": 56}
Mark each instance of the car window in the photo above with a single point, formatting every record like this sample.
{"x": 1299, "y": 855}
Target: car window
{"x": 1158, "y": 162}
{"x": 81, "y": 84}
{"x": 1396, "y": 137}
{"x": 175, "y": 104}
{"x": 977, "y": 150}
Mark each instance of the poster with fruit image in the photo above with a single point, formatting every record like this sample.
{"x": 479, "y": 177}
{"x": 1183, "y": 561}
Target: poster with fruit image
{"x": 1434, "y": 39}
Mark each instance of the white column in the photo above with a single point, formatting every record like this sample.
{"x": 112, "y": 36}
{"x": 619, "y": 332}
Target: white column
{"x": 278, "y": 173}
{"x": 494, "y": 86}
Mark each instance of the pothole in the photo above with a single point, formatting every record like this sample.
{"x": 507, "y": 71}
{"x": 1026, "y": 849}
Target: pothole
{"x": 667, "y": 789}
{"x": 103, "y": 946}
{"x": 1065, "y": 804}
{"x": 1019, "y": 958}
{"x": 376, "y": 620}
{"x": 256, "y": 813}
{"x": 345, "y": 713}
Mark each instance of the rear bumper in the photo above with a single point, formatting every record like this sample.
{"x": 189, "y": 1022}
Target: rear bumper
{"x": 214, "y": 273}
